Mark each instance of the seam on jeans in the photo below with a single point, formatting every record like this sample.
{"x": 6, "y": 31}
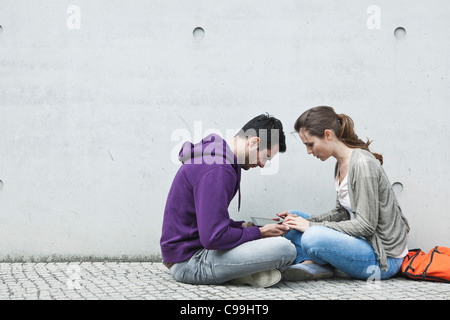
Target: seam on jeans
{"x": 254, "y": 263}
{"x": 191, "y": 271}
{"x": 283, "y": 259}
{"x": 308, "y": 253}
{"x": 389, "y": 271}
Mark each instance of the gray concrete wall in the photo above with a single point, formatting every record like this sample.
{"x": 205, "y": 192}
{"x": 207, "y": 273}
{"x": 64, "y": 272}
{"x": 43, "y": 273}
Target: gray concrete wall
{"x": 96, "y": 97}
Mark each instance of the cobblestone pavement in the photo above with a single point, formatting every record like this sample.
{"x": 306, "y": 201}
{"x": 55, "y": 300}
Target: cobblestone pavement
{"x": 151, "y": 280}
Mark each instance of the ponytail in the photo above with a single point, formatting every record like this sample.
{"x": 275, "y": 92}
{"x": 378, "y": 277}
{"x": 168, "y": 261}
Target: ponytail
{"x": 317, "y": 120}
{"x": 348, "y": 136}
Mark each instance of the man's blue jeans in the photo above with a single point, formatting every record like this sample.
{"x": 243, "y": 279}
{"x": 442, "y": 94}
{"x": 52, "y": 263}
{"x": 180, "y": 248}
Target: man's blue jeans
{"x": 353, "y": 256}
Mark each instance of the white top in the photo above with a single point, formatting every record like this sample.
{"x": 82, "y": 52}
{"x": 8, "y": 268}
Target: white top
{"x": 343, "y": 196}
{"x": 344, "y": 200}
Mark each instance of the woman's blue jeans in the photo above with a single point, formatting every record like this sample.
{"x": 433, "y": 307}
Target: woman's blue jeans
{"x": 353, "y": 256}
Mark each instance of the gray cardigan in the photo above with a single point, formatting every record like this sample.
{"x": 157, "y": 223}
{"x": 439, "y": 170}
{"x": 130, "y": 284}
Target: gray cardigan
{"x": 378, "y": 216}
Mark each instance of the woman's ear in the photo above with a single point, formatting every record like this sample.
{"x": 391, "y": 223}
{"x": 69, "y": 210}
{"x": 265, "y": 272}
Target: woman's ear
{"x": 329, "y": 134}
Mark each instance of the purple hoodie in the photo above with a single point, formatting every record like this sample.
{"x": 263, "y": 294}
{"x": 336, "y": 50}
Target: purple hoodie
{"x": 196, "y": 214}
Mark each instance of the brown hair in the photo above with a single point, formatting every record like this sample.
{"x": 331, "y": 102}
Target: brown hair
{"x": 318, "y": 119}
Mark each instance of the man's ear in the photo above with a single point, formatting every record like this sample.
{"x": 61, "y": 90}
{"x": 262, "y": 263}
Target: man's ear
{"x": 253, "y": 142}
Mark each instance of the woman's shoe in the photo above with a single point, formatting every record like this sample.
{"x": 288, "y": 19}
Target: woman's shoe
{"x": 310, "y": 271}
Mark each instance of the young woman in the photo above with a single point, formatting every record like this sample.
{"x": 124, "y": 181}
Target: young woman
{"x": 365, "y": 235}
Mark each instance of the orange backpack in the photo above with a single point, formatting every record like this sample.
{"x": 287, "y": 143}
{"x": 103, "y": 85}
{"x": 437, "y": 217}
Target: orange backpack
{"x": 434, "y": 266}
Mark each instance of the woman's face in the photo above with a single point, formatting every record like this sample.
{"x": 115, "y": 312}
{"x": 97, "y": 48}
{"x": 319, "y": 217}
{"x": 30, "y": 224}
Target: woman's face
{"x": 320, "y": 148}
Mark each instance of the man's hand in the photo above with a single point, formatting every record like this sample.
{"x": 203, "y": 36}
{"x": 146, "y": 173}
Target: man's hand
{"x": 273, "y": 230}
{"x": 247, "y": 224}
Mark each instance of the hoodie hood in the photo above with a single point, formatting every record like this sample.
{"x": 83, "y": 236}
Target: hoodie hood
{"x": 211, "y": 150}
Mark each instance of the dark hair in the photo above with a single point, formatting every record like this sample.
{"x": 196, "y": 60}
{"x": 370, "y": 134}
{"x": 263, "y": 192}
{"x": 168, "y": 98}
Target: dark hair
{"x": 268, "y": 128}
{"x": 318, "y": 119}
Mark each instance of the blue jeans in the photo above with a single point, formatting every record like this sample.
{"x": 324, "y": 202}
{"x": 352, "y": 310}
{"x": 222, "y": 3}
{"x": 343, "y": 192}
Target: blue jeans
{"x": 219, "y": 266}
{"x": 353, "y": 256}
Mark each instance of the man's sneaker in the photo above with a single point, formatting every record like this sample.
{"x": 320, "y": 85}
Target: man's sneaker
{"x": 261, "y": 279}
{"x": 311, "y": 271}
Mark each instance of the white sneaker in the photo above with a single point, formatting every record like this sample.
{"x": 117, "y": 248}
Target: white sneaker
{"x": 261, "y": 279}
{"x": 311, "y": 271}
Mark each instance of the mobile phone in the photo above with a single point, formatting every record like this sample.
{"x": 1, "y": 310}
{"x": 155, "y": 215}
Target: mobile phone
{"x": 258, "y": 221}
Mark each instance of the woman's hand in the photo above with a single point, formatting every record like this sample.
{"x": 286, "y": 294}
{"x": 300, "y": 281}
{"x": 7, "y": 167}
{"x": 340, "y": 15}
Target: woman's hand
{"x": 295, "y": 222}
{"x": 285, "y": 214}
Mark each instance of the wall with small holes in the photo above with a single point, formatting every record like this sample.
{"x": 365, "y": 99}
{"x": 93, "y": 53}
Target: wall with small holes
{"x": 96, "y": 98}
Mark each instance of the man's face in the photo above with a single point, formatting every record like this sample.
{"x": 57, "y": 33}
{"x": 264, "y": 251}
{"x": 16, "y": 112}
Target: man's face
{"x": 254, "y": 157}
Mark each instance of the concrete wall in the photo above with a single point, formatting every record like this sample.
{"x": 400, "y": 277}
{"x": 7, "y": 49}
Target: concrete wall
{"x": 96, "y": 97}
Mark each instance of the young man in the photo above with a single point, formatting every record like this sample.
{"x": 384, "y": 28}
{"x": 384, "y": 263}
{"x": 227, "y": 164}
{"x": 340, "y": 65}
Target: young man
{"x": 200, "y": 243}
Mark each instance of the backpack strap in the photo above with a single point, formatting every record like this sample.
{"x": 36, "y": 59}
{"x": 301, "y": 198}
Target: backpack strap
{"x": 411, "y": 260}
